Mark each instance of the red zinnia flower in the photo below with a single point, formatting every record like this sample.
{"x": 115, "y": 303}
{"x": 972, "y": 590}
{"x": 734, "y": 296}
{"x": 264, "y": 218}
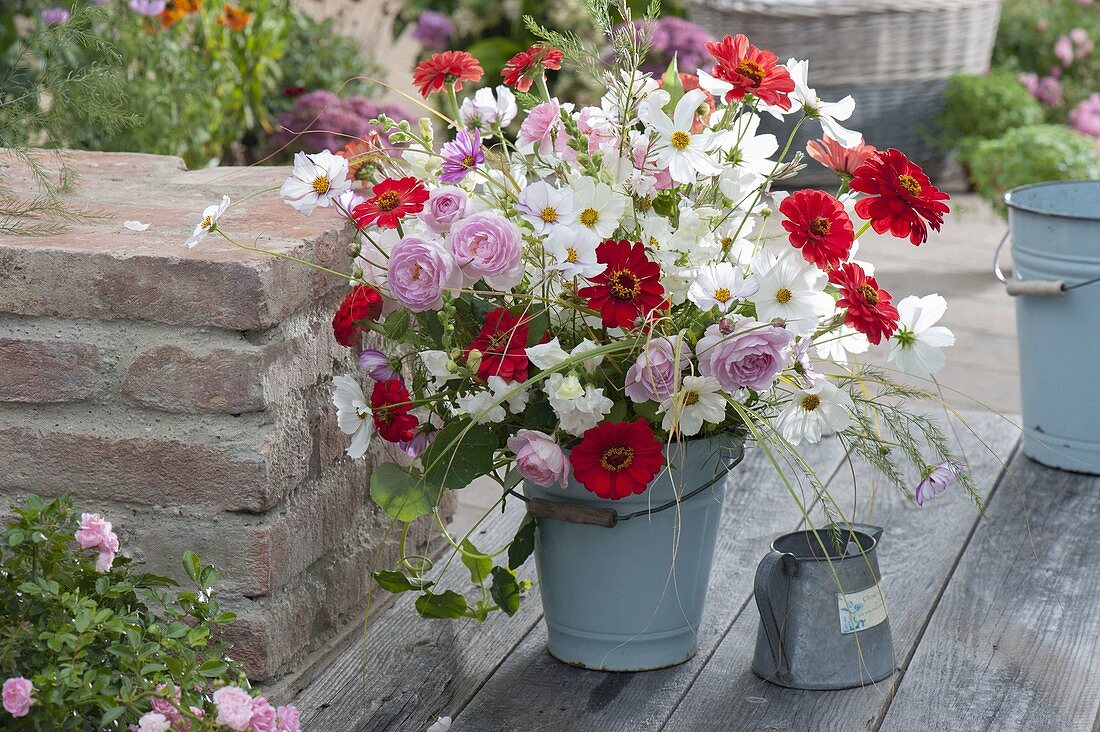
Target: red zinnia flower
{"x": 751, "y": 71}
{"x": 819, "y": 226}
{"x": 616, "y": 459}
{"x": 841, "y": 160}
{"x": 449, "y": 67}
{"x": 390, "y": 405}
{"x": 362, "y": 303}
{"x": 901, "y": 197}
{"x": 628, "y": 288}
{"x": 522, "y": 68}
{"x": 394, "y": 198}
{"x": 869, "y": 308}
{"x": 502, "y": 343}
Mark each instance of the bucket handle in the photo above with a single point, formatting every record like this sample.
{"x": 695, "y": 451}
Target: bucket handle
{"x": 1032, "y": 288}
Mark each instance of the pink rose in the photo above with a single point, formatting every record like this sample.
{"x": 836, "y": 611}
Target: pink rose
{"x": 542, "y": 132}
{"x": 94, "y": 531}
{"x": 1063, "y": 50}
{"x": 539, "y": 459}
{"x": 17, "y": 696}
{"x": 656, "y": 373}
{"x": 752, "y": 355}
{"x": 263, "y": 716}
{"x": 418, "y": 273}
{"x": 490, "y": 246}
{"x": 288, "y": 719}
{"x": 154, "y": 722}
{"x": 234, "y": 707}
{"x": 446, "y": 205}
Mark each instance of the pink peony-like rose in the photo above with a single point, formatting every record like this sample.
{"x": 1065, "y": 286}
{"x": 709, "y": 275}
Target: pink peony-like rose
{"x": 490, "y": 246}
{"x": 234, "y": 707}
{"x": 539, "y": 458}
{"x": 263, "y": 716}
{"x": 288, "y": 719}
{"x": 17, "y": 696}
{"x": 94, "y": 531}
{"x": 153, "y": 722}
{"x": 445, "y": 206}
{"x": 418, "y": 273}
{"x": 656, "y": 372}
{"x": 162, "y": 704}
{"x": 751, "y": 355}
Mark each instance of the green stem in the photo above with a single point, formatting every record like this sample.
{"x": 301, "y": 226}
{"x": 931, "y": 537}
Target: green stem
{"x": 863, "y": 229}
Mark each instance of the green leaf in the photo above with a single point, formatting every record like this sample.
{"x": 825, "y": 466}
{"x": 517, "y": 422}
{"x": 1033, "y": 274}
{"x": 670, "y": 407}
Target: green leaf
{"x": 213, "y": 668}
{"x": 523, "y": 543}
{"x": 16, "y": 537}
{"x": 394, "y": 581}
{"x": 505, "y": 590}
{"x": 448, "y": 604}
{"x": 397, "y": 325}
{"x": 454, "y": 460}
{"x": 402, "y": 494}
{"x": 618, "y": 412}
{"x": 672, "y": 84}
{"x": 648, "y": 410}
{"x": 478, "y": 564}
{"x": 191, "y": 565}
{"x": 538, "y": 324}
{"x": 111, "y": 715}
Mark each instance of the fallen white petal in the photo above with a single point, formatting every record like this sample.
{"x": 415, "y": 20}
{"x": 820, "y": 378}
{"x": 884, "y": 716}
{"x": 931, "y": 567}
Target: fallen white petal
{"x": 135, "y": 225}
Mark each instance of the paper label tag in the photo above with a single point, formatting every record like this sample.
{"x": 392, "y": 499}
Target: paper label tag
{"x": 861, "y": 610}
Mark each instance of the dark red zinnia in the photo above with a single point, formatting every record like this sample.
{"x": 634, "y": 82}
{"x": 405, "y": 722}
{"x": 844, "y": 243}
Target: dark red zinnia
{"x": 617, "y": 459}
{"x": 449, "y": 67}
{"x": 521, "y": 69}
{"x": 630, "y": 286}
{"x": 391, "y": 407}
{"x": 502, "y": 344}
{"x": 751, "y": 71}
{"x": 901, "y": 198}
{"x": 362, "y": 303}
{"x": 393, "y": 199}
{"x": 868, "y": 308}
{"x": 818, "y": 225}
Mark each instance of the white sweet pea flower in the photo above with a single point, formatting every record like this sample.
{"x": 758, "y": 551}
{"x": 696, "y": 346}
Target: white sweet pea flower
{"x": 482, "y": 406}
{"x": 572, "y": 253}
{"x": 721, "y": 285}
{"x": 821, "y": 408}
{"x": 699, "y": 399}
{"x": 839, "y": 342}
{"x": 579, "y": 408}
{"x": 421, "y": 163}
{"x": 591, "y": 365}
{"x": 676, "y": 147}
{"x": 353, "y": 415}
{"x": 792, "y": 290}
{"x": 210, "y": 216}
{"x": 601, "y": 209}
{"x": 918, "y": 343}
{"x": 517, "y": 402}
{"x": 827, "y": 113}
{"x": 315, "y": 180}
{"x": 441, "y": 367}
{"x": 547, "y": 208}
{"x": 546, "y": 355}
{"x": 485, "y": 109}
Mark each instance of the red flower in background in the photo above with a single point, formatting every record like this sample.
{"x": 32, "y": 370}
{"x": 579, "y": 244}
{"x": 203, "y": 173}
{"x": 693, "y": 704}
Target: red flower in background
{"x": 394, "y": 198}
{"x": 389, "y": 402}
{"x": 502, "y": 344}
{"x": 630, "y": 286}
{"x": 449, "y": 67}
{"x": 362, "y": 303}
{"x": 841, "y": 160}
{"x": 868, "y": 308}
{"x": 900, "y": 197}
{"x": 521, "y": 69}
{"x": 818, "y": 225}
{"x": 617, "y": 459}
{"x": 751, "y": 71}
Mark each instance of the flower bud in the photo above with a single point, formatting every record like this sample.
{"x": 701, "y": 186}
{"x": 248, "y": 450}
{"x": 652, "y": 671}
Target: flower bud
{"x": 473, "y": 359}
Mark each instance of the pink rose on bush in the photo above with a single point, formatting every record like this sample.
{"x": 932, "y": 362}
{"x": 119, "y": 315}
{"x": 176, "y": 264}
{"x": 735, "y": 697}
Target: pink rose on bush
{"x": 234, "y": 707}
{"x": 95, "y": 533}
{"x": 490, "y": 246}
{"x": 539, "y": 458}
{"x": 656, "y": 372}
{"x": 419, "y": 272}
{"x": 17, "y": 696}
{"x": 752, "y": 355}
{"x": 154, "y": 722}
{"x": 263, "y": 716}
{"x": 288, "y": 720}
{"x": 1085, "y": 117}
{"x": 446, "y": 205}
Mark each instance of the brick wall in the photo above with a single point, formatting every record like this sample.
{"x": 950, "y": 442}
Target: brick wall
{"x": 185, "y": 393}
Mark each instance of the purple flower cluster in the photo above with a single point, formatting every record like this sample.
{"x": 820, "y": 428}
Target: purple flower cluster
{"x": 680, "y": 38}
{"x": 328, "y": 122}
{"x": 55, "y": 16}
{"x": 433, "y": 30}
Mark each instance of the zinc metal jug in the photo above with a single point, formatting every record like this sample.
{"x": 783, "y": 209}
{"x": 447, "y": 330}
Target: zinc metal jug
{"x": 823, "y": 621}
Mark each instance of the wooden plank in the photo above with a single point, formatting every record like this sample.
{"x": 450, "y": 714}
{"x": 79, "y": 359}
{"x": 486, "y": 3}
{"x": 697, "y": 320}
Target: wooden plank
{"x": 533, "y": 691}
{"x": 407, "y": 671}
{"x": 918, "y": 553}
{"x": 1014, "y": 642}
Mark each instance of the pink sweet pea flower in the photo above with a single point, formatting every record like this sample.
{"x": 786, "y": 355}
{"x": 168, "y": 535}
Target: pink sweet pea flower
{"x": 17, "y": 696}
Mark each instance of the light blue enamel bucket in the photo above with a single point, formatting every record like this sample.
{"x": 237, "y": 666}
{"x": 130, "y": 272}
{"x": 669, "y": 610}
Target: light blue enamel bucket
{"x": 1055, "y": 231}
{"x": 623, "y": 582}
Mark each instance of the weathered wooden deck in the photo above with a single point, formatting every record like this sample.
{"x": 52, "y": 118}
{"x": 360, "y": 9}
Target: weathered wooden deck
{"x": 996, "y": 625}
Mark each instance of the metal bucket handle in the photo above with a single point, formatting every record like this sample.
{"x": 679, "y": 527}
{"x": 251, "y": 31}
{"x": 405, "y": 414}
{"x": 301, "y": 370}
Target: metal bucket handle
{"x": 1032, "y": 288}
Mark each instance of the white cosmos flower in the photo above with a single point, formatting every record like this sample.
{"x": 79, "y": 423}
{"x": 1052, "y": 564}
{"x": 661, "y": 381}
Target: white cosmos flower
{"x": 573, "y": 253}
{"x": 210, "y": 216}
{"x": 827, "y": 113}
{"x": 721, "y": 285}
{"x": 918, "y": 343}
{"x": 600, "y": 209}
{"x": 744, "y": 149}
{"x": 839, "y": 342}
{"x": 792, "y": 290}
{"x": 579, "y": 408}
{"x": 315, "y": 180}
{"x": 546, "y": 207}
{"x": 676, "y": 148}
{"x": 820, "y": 408}
{"x": 353, "y": 415}
{"x": 486, "y": 109}
{"x": 700, "y": 399}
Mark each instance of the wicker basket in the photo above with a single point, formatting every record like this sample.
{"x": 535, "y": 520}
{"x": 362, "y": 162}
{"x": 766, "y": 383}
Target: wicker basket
{"x": 892, "y": 56}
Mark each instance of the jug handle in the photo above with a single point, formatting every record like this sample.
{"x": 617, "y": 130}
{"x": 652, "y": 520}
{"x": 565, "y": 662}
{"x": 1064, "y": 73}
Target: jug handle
{"x": 772, "y": 599}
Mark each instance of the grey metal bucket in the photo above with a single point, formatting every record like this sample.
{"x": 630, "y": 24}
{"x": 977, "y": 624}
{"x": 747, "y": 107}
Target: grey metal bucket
{"x": 1055, "y": 232}
{"x": 823, "y": 621}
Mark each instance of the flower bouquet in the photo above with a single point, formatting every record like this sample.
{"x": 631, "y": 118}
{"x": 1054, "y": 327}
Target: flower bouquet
{"x": 593, "y": 307}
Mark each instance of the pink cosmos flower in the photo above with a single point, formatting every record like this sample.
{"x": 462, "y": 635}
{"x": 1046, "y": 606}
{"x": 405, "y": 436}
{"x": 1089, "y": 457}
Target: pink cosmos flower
{"x": 490, "y": 246}
{"x": 445, "y": 206}
{"x": 263, "y": 716}
{"x": 752, "y": 356}
{"x": 418, "y": 273}
{"x": 461, "y": 155}
{"x": 938, "y": 480}
{"x": 539, "y": 458}
{"x": 17, "y": 696}
{"x": 234, "y": 707}
{"x": 288, "y": 719}
{"x": 378, "y": 365}
{"x": 655, "y": 375}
